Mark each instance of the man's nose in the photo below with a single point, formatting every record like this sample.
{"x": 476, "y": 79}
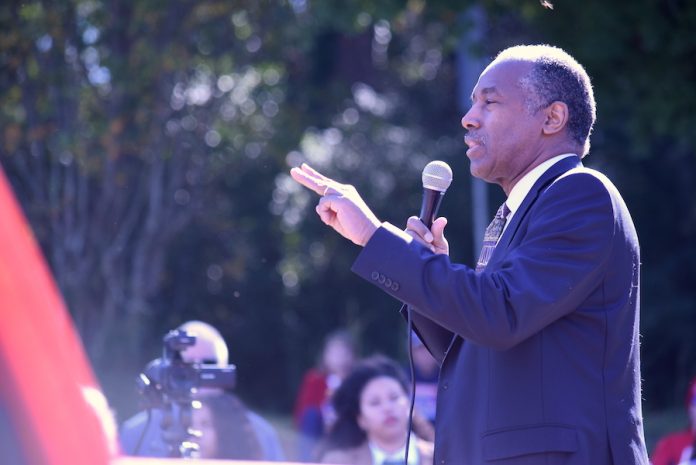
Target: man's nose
{"x": 469, "y": 120}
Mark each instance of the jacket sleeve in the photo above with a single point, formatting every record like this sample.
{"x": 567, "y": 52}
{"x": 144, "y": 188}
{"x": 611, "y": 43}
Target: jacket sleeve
{"x": 546, "y": 275}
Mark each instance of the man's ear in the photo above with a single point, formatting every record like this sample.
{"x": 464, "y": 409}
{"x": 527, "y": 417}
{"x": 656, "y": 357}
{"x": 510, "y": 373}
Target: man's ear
{"x": 556, "y": 118}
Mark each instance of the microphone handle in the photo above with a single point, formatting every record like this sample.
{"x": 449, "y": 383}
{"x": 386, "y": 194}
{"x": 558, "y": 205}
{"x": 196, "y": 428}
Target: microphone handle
{"x": 431, "y": 204}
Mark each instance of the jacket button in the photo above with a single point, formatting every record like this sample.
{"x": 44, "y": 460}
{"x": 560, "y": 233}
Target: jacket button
{"x": 374, "y": 276}
{"x": 395, "y": 286}
{"x": 388, "y": 283}
{"x": 382, "y": 278}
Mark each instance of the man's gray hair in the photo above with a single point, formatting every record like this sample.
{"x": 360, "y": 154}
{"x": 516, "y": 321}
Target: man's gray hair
{"x": 556, "y": 76}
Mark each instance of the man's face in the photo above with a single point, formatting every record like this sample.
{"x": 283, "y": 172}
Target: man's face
{"x": 203, "y": 351}
{"x": 504, "y": 139}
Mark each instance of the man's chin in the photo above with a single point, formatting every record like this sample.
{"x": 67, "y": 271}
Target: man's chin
{"x": 477, "y": 170}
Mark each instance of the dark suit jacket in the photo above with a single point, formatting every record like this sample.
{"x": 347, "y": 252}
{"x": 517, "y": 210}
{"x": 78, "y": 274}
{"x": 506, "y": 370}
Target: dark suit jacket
{"x": 539, "y": 352}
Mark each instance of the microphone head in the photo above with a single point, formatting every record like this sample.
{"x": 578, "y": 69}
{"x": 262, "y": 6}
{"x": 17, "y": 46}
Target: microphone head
{"x": 437, "y": 176}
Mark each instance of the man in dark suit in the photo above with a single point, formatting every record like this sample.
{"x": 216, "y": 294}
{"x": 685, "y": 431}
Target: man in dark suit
{"x": 538, "y": 344}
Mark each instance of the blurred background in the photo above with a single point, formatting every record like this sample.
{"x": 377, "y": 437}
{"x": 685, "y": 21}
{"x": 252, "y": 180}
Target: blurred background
{"x": 149, "y": 144}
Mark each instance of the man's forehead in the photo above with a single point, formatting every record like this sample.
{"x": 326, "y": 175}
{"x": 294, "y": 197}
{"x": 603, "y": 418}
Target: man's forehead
{"x": 489, "y": 90}
{"x": 500, "y": 77}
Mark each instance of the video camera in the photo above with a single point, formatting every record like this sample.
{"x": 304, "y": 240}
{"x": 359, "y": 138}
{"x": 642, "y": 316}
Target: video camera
{"x": 171, "y": 378}
{"x": 170, "y": 384}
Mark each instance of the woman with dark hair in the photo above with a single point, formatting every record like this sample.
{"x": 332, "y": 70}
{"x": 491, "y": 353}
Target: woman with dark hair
{"x": 226, "y": 431}
{"x": 371, "y": 427}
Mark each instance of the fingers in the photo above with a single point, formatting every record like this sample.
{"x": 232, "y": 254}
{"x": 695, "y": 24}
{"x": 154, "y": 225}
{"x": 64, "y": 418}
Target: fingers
{"x": 439, "y": 242}
{"x": 418, "y": 231}
{"x": 312, "y": 179}
{"x": 433, "y": 238}
{"x": 308, "y": 169}
{"x": 416, "y": 226}
{"x": 438, "y": 230}
{"x": 325, "y": 211}
{"x": 307, "y": 179}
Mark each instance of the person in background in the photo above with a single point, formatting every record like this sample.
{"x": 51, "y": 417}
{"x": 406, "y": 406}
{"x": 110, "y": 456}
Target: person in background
{"x": 312, "y": 413}
{"x": 677, "y": 447}
{"x": 371, "y": 426}
{"x": 225, "y": 429}
{"x": 210, "y": 347}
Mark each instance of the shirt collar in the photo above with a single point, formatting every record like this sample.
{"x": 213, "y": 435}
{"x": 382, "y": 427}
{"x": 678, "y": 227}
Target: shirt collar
{"x": 524, "y": 185}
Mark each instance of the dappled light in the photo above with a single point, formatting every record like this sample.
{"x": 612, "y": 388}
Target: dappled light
{"x": 149, "y": 144}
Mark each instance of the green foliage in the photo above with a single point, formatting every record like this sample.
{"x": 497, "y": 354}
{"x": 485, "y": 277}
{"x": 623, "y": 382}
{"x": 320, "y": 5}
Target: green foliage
{"x": 149, "y": 143}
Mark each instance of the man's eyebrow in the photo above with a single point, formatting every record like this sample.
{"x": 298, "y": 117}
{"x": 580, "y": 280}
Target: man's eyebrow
{"x": 486, "y": 91}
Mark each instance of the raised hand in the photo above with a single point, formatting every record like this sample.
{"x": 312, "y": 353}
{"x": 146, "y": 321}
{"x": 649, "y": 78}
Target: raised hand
{"x": 340, "y": 206}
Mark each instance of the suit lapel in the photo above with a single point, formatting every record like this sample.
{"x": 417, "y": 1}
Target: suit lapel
{"x": 544, "y": 180}
{"x": 549, "y": 176}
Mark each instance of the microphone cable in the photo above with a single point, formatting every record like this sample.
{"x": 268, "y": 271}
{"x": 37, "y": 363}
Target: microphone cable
{"x": 409, "y": 330}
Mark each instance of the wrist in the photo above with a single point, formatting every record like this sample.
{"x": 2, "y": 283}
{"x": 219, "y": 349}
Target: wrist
{"x": 370, "y": 230}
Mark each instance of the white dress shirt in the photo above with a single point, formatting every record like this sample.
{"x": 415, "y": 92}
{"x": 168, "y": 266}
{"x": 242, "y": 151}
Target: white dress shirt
{"x": 521, "y": 189}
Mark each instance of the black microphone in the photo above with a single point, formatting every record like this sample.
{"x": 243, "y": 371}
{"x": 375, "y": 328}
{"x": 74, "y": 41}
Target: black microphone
{"x": 437, "y": 177}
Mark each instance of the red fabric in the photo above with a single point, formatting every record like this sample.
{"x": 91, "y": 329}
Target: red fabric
{"x": 312, "y": 393}
{"x": 45, "y": 370}
{"x": 669, "y": 449}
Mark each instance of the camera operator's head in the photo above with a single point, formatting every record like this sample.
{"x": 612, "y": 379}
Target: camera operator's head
{"x": 194, "y": 363}
{"x": 209, "y": 348}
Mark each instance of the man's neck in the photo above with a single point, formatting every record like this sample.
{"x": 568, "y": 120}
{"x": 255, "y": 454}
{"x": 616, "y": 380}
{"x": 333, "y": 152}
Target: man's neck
{"x": 545, "y": 153}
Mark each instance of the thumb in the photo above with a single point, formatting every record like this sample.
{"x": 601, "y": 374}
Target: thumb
{"x": 438, "y": 230}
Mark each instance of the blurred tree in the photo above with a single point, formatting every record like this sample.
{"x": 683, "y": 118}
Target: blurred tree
{"x": 121, "y": 122}
{"x": 110, "y": 113}
{"x": 145, "y": 143}
{"x": 149, "y": 143}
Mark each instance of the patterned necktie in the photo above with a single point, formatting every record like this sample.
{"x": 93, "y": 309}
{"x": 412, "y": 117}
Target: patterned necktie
{"x": 490, "y": 238}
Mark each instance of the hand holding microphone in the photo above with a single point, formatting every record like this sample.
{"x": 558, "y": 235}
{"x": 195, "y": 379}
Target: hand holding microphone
{"x": 437, "y": 177}
{"x": 342, "y": 208}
